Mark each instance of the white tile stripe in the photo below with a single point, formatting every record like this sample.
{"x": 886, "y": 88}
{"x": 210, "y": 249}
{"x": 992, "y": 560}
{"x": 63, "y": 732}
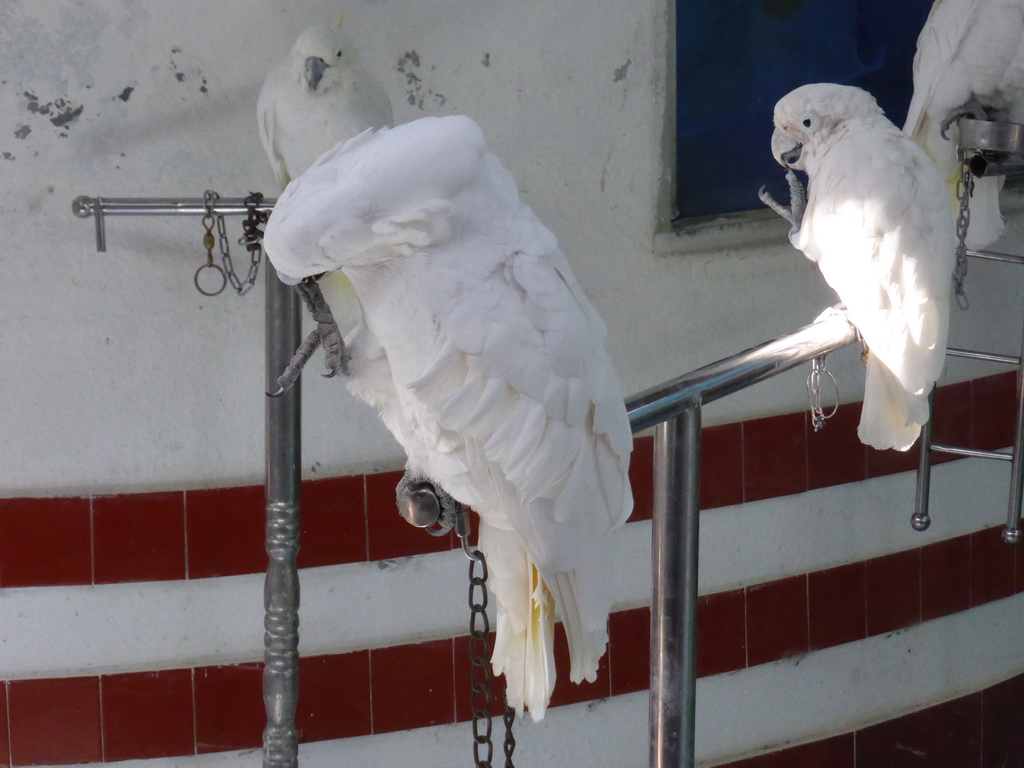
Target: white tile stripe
{"x": 739, "y": 714}
{"x": 177, "y": 624}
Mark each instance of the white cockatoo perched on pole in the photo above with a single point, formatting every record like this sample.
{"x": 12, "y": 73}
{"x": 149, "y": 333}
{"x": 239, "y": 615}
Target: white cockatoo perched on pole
{"x": 877, "y": 223}
{"x": 969, "y": 62}
{"x": 315, "y": 97}
{"x": 486, "y": 362}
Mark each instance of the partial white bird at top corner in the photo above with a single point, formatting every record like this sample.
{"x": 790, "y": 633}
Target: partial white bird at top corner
{"x": 969, "y": 62}
{"x": 318, "y": 95}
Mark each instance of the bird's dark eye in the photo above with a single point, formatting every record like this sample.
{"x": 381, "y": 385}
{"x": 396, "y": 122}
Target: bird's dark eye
{"x": 808, "y": 120}
{"x": 339, "y": 54}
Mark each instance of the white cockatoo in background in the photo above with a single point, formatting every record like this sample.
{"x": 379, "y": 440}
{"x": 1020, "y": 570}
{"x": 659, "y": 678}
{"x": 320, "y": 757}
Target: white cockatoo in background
{"x": 969, "y": 62}
{"x": 877, "y": 223}
{"x": 316, "y": 96}
{"x": 486, "y": 362}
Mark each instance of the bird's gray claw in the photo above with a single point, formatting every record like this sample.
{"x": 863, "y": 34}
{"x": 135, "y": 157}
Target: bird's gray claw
{"x": 972, "y": 109}
{"x": 766, "y": 198}
{"x": 326, "y": 334}
{"x": 336, "y": 355}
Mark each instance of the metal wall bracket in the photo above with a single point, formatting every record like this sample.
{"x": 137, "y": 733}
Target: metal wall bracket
{"x": 99, "y": 208}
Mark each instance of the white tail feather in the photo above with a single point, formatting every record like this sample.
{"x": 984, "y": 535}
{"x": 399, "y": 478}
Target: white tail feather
{"x": 525, "y": 653}
{"x": 891, "y": 417}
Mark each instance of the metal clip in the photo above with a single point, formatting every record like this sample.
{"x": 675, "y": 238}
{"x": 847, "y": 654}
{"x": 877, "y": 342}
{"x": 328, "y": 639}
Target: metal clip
{"x": 208, "y": 242}
{"x": 818, "y": 415}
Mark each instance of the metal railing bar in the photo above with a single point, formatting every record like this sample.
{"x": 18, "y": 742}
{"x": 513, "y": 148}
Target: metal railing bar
{"x": 975, "y": 453}
{"x": 1010, "y": 258}
{"x": 84, "y": 206}
{"x": 732, "y": 374}
{"x": 992, "y": 357}
{"x": 674, "y": 408}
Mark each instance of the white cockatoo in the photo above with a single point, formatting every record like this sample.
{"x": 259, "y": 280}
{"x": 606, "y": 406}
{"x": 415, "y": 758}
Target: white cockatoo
{"x": 315, "y": 97}
{"x": 969, "y": 61}
{"x": 488, "y": 365}
{"x": 877, "y": 223}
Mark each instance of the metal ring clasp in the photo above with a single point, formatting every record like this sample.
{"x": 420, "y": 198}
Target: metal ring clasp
{"x": 219, "y": 271}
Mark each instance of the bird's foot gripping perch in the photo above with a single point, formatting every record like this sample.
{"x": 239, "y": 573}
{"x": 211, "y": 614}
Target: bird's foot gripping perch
{"x": 972, "y": 109}
{"x": 326, "y": 334}
{"x": 794, "y": 212}
{"x": 425, "y": 505}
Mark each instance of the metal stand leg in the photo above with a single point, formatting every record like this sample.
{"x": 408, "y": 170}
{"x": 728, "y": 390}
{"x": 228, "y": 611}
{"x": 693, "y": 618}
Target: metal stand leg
{"x": 674, "y": 606}
{"x": 920, "y": 520}
{"x": 281, "y": 588}
{"x": 1012, "y": 533}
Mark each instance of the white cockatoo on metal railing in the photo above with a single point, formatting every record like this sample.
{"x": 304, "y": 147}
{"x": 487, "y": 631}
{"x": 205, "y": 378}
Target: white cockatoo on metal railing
{"x": 877, "y": 223}
{"x": 486, "y": 362}
{"x": 969, "y": 62}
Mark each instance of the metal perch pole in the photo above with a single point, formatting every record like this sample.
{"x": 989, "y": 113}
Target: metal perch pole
{"x": 281, "y": 587}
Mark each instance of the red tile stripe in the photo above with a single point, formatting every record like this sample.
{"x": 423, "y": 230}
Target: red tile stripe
{"x": 219, "y": 532}
{"x": 983, "y": 726}
{"x": 206, "y": 709}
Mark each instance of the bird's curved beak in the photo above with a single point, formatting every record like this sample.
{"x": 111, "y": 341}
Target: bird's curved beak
{"x": 792, "y": 156}
{"x": 315, "y": 67}
{"x": 786, "y": 150}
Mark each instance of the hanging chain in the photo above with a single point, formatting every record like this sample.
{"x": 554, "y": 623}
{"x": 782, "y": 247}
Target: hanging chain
{"x": 252, "y": 240}
{"x": 480, "y": 656}
{"x": 818, "y": 415}
{"x": 964, "y": 190}
{"x": 480, "y": 671}
{"x": 510, "y": 740}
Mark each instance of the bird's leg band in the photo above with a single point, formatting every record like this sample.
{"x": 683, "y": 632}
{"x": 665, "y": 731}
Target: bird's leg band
{"x": 425, "y": 505}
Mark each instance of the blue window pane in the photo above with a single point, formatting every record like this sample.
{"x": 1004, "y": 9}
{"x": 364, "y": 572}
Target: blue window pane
{"x": 736, "y": 58}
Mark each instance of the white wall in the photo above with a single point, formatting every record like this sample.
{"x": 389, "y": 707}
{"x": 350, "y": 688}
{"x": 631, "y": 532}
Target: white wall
{"x": 118, "y": 375}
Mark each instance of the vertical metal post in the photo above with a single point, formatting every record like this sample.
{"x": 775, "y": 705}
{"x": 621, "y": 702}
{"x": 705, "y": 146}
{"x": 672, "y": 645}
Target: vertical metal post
{"x": 1012, "y": 533}
{"x": 281, "y": 588}
{"x": 920, "y": 520}
{"x": 674, "y": 555}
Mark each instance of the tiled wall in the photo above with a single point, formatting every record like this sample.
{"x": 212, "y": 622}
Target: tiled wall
{"x": 209, "y": 533}
{"x": 980, "y": 729}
